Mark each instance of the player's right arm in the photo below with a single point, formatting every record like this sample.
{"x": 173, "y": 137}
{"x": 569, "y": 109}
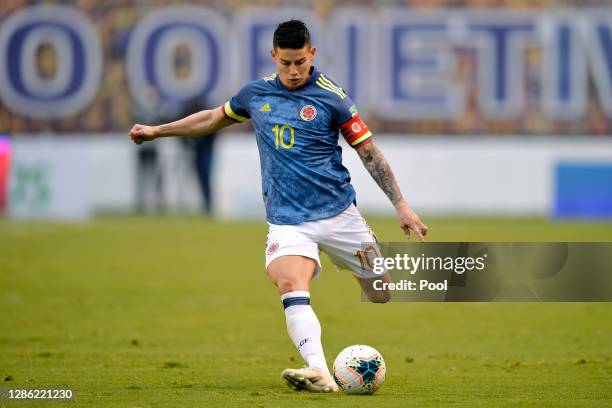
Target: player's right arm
{"x": 199, "y": 124}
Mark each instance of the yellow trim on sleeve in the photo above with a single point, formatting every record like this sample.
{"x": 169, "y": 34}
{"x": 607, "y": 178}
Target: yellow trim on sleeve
{"x": 326, "y": 81}
{"x": 232, "y": 114}
{"x": 328, "y": 88}
{"x": 362, "y": 138}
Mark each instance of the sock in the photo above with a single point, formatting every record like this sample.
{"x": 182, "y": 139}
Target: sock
{"x": 304, "y": 328}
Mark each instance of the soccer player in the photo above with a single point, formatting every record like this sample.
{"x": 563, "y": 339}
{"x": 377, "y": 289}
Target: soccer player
{"x": 297, "y": 114}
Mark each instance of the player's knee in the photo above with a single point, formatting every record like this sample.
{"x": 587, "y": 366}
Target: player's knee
{"x": 285, "y": 285}
{"x": 379, "y": 296}
{"x": 374, "y": 293}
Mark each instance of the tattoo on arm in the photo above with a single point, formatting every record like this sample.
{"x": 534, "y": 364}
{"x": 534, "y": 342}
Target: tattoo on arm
{"x": 378, "y": 167}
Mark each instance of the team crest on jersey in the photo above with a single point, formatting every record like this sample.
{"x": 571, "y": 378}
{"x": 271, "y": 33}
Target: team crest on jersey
{"x": 272, "y": 248}
{"x": 356, "y": 127}
{"x": 308, "y": 113}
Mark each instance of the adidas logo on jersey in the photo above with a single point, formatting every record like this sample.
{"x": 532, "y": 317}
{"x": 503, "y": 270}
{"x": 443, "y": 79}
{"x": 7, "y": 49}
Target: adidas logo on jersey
{"x": 265, "y": 108}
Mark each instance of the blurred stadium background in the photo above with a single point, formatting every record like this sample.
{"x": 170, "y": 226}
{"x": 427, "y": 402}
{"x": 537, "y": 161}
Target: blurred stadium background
{"x": 495, "y": 115}
{"x": 484, "y": 108}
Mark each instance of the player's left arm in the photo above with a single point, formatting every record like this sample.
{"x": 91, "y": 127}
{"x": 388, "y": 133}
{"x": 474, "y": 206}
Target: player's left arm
{"x": 380, "y": 170}
{"x": 358, "y": 136}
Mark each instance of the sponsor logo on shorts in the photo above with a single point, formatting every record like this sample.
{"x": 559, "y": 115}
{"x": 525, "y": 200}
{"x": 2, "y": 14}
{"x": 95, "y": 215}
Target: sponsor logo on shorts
{"x": 308, "y": 113}
{"x": 272, "y": 248}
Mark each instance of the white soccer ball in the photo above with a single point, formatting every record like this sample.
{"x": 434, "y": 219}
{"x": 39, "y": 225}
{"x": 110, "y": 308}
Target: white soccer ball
{"x": 359, "y": 369}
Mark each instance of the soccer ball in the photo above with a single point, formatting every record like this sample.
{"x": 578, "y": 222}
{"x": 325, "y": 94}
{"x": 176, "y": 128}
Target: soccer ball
{"x": 359, "y": 369}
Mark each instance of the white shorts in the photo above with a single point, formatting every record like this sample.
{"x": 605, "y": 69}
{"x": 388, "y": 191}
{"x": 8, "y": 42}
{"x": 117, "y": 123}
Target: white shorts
{"x": 341, "y": 237}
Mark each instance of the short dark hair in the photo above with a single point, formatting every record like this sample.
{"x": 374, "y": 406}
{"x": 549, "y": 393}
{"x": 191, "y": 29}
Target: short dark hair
{"x": 291, "y": 34}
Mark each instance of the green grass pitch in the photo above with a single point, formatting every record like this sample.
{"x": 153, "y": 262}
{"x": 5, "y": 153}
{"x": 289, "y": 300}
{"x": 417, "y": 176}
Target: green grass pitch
{"x": 178, "y": 312}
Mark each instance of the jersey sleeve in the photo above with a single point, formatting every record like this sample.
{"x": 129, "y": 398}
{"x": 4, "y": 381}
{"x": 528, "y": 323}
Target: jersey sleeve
{"x": 355, "y": 131}
{"x": 237, "y": 108}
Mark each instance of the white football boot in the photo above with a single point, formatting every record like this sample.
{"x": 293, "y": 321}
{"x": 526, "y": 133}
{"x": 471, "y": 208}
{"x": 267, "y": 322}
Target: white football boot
{"x": 311, "y": 379}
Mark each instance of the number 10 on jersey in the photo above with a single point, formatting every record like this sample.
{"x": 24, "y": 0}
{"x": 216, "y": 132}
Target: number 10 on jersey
{"x": 279, "y": 136}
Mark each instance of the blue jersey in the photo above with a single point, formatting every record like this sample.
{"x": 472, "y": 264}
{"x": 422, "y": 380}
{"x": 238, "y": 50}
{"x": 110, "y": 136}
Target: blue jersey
{"x": 303, "y": 178}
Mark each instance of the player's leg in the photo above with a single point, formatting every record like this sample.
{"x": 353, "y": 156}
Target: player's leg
{"x": 347, "y": 232}
{"x": 292, "y": 275}
{"x": 368, "y": 288}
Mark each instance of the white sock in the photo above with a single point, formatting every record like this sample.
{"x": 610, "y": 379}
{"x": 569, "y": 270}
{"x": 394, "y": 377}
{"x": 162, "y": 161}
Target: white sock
{"x": 304, "y": 328}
